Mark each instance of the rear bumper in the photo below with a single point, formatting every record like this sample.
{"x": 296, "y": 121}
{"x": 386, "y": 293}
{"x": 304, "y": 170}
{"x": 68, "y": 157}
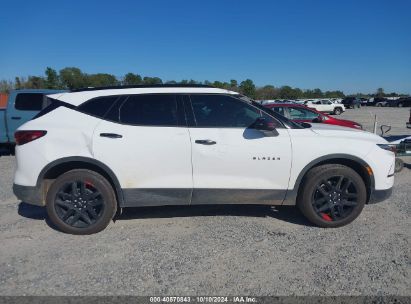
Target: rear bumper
{"x": 380, "y": 195}
{"x": 28, "y": 194}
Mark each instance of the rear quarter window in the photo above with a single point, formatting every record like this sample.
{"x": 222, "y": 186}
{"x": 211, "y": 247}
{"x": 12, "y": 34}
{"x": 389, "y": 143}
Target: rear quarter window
{"x": 98, "y": 106}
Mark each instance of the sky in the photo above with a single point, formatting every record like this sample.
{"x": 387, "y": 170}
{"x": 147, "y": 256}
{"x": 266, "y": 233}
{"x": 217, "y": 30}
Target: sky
{"x": 353, "y": 46}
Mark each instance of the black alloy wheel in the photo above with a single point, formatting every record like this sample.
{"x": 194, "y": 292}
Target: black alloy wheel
{"x": 334, "y": 198}
{"x": 332, "y": 195}
{"x": 79, "y": 204}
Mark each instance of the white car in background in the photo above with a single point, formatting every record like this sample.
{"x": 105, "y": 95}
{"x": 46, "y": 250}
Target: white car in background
{"x": 326, "y": 106}
{"x": 92, "y": 152}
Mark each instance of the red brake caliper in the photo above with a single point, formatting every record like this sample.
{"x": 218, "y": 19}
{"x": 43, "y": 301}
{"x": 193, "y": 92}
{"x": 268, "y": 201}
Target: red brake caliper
{"x": 88, "y": 184}
{"x": 326, "y": 217}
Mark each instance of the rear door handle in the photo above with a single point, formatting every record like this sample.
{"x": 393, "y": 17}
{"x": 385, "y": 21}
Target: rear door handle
{"x": 111, "y": 135}
{"x": 205, "y": 142}
{"x": 16, "y": 117}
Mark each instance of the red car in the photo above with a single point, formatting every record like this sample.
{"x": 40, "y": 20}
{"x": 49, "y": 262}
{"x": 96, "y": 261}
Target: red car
{"x": 300, "y": 113}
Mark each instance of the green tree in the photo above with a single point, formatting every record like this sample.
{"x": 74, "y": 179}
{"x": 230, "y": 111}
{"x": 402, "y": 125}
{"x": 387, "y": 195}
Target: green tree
{"x": 318, "y": 93}
{"x": 218, "y": 84}
{"x": 152, "y": 80}
{"x": 101, "y": 80}
{"x": 335, "y": 94}
{"x": 6, "y": 86}
{"x": 380, "y": 92}
{"x": 17, "y": 84}
{"x": 287, "y": 92}
{"x": 52, "y": 79}
{"x": 73, "y": 78}
{"x": 233, "y": 84}
{"x": 35, "y": 82}
{"x": 132, "y": 79}
{"x": 267, "y": 92}
{"x": 247, "y": 88}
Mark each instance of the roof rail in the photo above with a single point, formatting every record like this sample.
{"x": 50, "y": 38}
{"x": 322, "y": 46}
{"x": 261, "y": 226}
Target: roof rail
{"x": 143, "y": 86}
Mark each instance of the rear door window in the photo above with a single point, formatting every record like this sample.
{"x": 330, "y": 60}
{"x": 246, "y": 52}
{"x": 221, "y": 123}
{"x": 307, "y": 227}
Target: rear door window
{"x": 30, "y": 101}
{"x": 149, "y": 110}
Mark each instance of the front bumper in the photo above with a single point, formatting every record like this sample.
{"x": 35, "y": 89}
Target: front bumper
{"x": 30, "y": 195}
{"x": 379, "y": 195}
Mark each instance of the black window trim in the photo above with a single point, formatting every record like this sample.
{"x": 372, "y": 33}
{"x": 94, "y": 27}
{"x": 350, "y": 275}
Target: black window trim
{"x": 51, "y": 105}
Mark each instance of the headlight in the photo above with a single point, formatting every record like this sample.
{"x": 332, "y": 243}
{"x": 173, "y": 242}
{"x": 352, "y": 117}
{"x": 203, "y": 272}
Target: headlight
{"x": 387, "y": 147}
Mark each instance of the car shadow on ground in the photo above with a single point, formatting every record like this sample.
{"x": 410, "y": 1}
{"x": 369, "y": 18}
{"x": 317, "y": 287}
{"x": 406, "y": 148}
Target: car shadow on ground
{"x": 283, "y": 213}
{"x": 6, "y": 151}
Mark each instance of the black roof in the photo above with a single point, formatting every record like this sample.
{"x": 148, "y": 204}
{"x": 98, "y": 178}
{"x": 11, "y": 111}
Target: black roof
{"x": 144, "y": 86}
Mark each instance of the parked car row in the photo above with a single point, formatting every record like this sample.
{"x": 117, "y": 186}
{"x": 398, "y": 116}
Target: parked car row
{"x": 401, "y": 102}
{"x": 350, "y": 102}
{"x": 303, "y": 114}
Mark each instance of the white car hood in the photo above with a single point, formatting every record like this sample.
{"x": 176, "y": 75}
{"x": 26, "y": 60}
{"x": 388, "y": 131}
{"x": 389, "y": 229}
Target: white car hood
{"x": 334, "y": 131}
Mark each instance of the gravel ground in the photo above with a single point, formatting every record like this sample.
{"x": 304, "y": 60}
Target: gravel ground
{"x": 395, "y": 117}
{"x": 209, "y": 250}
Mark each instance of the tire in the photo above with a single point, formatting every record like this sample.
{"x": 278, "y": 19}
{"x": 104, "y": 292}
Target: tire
{"x": 81, "y": 202}
{"x": 337, "y": 111}
{"x": 379, "y": 105}
{"x": 337, "y": 210}
{"x": 399, "y": 165}
{"x": 400, "y": 105}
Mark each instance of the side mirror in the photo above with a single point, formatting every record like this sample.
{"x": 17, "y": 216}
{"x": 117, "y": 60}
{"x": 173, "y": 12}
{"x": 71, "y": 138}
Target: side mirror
{"x": 266, "y": 127}
{"x": 317, "y": 119}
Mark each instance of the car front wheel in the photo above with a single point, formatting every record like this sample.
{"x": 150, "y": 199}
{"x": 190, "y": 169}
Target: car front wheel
{"x": 332, "y": 195}
{"x": 81, "y": 202}
{"x": 337, "y": 111}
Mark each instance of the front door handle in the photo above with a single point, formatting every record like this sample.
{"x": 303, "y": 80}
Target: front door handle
{"x": 16, "y": 117}
{"x": 111, "y": 135}
{"x": 205, "y": 142}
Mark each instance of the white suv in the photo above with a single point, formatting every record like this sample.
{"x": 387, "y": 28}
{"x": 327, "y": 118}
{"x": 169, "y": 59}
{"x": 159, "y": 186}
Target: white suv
{"x": 93, "y": 152}
{"x": 326, "y": 106}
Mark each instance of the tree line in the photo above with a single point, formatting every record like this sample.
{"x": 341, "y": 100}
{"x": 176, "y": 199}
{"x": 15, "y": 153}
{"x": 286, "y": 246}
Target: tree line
{"x": 73, "y": 78}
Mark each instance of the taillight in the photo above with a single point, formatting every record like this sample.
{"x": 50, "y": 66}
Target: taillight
{"x": 24, "y": 137}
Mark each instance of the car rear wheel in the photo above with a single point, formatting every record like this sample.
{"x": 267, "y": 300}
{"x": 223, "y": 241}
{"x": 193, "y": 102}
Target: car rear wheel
{"x": 337, "y": 111}
{"x": 400, "y": 105}
{"x": 332, "y": 195}
{"x": 81, "y": 202}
